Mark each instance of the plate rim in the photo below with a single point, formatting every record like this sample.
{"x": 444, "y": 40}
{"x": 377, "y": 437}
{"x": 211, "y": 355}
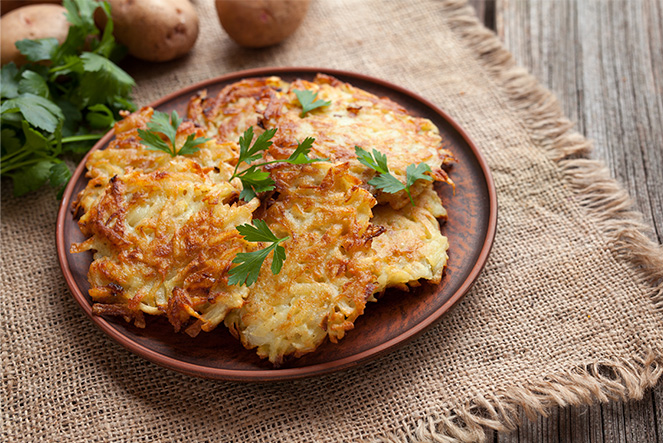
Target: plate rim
{"x": 265, "y": 375}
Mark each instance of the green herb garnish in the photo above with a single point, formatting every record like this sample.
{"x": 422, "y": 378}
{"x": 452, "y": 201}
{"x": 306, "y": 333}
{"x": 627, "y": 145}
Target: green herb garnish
{"x": 387, "y": 182}
{"x": 166, "y": 125}
{"x": 308, "y": 101}
{"x": 50, "y": 112}
{"x": 300, "y": 155}
{"x": 249, "y": 263}
{"x": 255, "y": 180}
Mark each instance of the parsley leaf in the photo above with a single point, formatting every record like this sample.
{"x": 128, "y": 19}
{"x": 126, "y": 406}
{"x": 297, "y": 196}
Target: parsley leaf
{"x": 191, "y": 144}
{"x": 248, "y": 153}
{"x": 9, "y": 81}
{"x": 96, "y": 63}
{"x": 162, "y": 123}
{"x": 154, "y": 142}
{"x": 300, "y": 155}
{"x": 254, "y": 181}
{"x": 308, "y": 101}
{"x": 101, "y": 78}
{"x": 34, "y": 139}
{"x": 387, "y": 182}
{"x": 31, "y": 82}
{"x": 80, "y": 13}
{"x": 38, "y": 111}
{"x": 250, "y": 263}
{"x": 38, "y": 49}
{"x": 258, "y": 232}
{"x": 417, "y": 172}
{"x": 59, "y": 175}
{"x": 107, "y": 46}
{"x": 31, "y": 177}
{"x": 377, "y": 161}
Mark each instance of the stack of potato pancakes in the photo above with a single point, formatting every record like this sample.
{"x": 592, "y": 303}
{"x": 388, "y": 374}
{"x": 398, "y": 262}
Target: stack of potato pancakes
{"x": 163, "y": 228}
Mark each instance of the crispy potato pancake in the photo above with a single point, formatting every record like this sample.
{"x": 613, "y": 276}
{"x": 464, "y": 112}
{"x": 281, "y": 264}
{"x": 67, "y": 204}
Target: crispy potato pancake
{"x": 411, "y": 247}
{"x": 125, "y": 153}
{"x": 324, "y": 284}
{"x": 163, "y": 242}
{"x": 164, "y": 234}
{"x": 354, "y": 118}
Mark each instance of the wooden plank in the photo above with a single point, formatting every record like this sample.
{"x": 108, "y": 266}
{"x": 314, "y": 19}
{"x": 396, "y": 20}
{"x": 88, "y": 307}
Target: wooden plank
{"x": 604, "y": 61}
{"x": 485, "y": 10}
{"x": 639, "y": 420}
{"x": 586, "y": 424}
{"x": 658, "y": 411}
{"x": 612, "y": 415}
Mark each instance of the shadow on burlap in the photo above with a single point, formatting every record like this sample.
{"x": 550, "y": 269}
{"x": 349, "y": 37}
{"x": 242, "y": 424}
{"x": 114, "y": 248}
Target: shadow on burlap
{"x": 567, "y": 310}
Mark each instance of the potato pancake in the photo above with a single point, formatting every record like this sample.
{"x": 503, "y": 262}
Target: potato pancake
{"x": 324, "y": 284}
{"x": 165, "y": 228}
{"x": 162, "y": 242}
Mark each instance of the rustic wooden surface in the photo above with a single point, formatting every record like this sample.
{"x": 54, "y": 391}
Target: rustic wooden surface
{"x": 603, "y": 59}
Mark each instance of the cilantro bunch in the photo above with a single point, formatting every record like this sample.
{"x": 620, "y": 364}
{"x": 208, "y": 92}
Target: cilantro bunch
{"x": 62, "y": 101}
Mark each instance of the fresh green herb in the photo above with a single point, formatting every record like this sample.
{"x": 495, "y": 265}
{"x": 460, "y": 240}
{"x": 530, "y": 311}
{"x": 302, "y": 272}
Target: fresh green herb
{"x": 166, "y": 125}
{"x": 248, "y": 153}
{"x": 387, "y": 182}
{"x": 308, "y": 101}
{"x": 249, "y": 263}
{"x": 50, "y": 112}
{"x": 377, "y": 161}
{"x": 300, "y": 155}
{"x": 255, "y": 180}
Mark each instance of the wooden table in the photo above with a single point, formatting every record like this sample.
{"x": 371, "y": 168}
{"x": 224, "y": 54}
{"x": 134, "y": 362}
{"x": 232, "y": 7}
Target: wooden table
{"x": 603, "y": 59}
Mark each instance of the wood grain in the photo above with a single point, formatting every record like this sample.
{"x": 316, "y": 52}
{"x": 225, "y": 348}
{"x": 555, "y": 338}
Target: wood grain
{"x": 603, "y": 59}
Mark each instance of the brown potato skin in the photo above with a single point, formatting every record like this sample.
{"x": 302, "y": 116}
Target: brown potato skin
{"x": 154, "y": 30}
{"x": 10, "y": 5}
{"x": 32, "y": 21}
{"x": 260, "y": 23}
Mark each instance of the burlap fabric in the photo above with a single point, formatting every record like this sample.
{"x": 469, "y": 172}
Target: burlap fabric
{"x": 567, "y": 310}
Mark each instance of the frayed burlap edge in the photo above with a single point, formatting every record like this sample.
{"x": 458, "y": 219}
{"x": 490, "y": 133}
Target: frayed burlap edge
{"x": 607, "y": 204}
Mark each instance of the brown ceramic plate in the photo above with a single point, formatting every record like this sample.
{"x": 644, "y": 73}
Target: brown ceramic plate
{"x": 395, "y": 319}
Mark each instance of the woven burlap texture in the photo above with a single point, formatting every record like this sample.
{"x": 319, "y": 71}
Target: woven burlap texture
{"x": 567, "y": 310}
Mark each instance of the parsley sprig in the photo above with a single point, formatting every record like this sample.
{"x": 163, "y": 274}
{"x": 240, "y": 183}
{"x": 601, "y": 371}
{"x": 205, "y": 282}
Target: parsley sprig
{"x": 166, "y": 125}
{"x": 308, "y": 101}
{"x": 384, "y": 180}
{"x": 255, "y": 180}
{"x": 250, "y": 263}
{"x": 49, "y": 112}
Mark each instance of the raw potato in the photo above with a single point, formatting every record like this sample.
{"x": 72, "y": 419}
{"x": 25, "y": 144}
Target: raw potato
{"x": 154, "y": 30}
{"x": 260, "y": 23}
{"x": 10, "y": 5}
{"x": 32, "y": 21}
